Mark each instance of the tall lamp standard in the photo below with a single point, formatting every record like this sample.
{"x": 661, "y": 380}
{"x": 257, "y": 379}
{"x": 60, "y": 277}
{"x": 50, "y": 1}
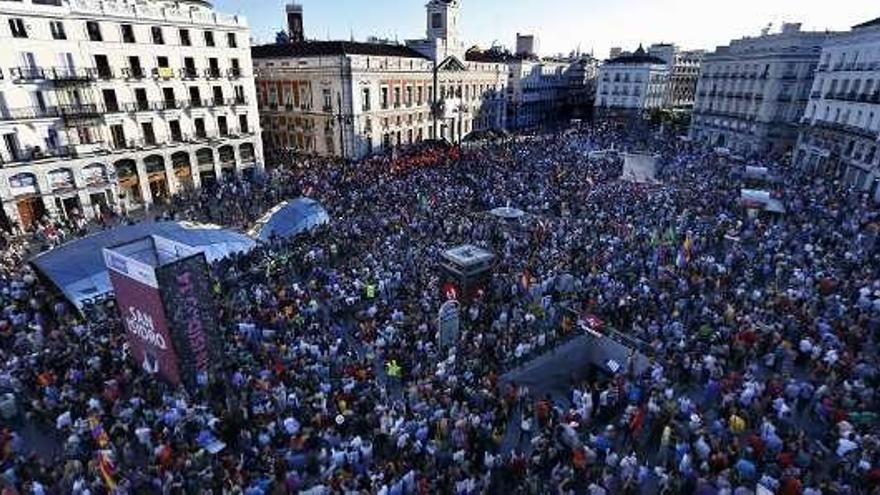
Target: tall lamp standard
{"x": 342, "y": 120}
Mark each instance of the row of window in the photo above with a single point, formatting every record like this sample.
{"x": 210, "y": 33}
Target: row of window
{"x": 736, "y": 108}
{"x": 748, "y": 85}
{"x": 848, "y": 86}
{"x": 854, "y": 60}
{"x": 140, "y": 102}
{"x": 469, "y": 92}
{"x": 385, "y": 103}
{"x": 860, "y": 151}
{"x": 31, "y": 70}
{"x": 637, "y": 78}
{"x": 628, "y": 103}
{"x": 389, "y": 139}
{"x": 845, "y": 116}
{"x": 397, "y": 96}
{"x": 94, "y": 32}
{"x": 169, "y": 98}
{"x": 174, "y": 131}
{"x": 120, "y": 140}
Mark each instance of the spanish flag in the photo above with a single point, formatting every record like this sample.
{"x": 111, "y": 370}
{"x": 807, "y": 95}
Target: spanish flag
{"x": 688, "y": 247}
{"x": 98, "y": 434}
{"x": 108, "y": 470}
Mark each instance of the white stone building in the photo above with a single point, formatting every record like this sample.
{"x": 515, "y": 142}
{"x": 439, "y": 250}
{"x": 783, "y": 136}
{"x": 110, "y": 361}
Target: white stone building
{"x": 351, "y": 99}
{"x": 631, "y": 84}
{"x": 753, "y": 93}
{"x": 684, "y": 73}
{"x": 841, "y": 128}
{"x": 119, "y": 103}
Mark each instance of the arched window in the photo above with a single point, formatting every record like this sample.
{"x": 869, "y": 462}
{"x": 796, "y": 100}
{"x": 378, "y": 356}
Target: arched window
{"x": 154, "y": 164}
{"x": 23, "y": 183}
{"x": 61, "y": 178}
{"x": 94, "y": 174}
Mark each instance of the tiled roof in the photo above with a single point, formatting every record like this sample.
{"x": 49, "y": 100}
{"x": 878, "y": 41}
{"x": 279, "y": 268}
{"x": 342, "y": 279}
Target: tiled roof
{"x": 325, "y": 48}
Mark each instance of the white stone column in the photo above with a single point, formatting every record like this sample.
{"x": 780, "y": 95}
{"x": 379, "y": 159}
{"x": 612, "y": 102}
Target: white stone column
{"x": 11, "y": 208}
{"x": 143, "y": 183}
{"x": 239, "y": 163}
{"x": 170, "y": 176}
{"x": 194, "y": 169}
{"x": 85, "y": 204}
{"x": 46, "y": 196}
{"x": 218, "y": 170}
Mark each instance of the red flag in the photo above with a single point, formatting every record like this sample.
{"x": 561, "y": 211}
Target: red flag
{"x": 108, "y": 470}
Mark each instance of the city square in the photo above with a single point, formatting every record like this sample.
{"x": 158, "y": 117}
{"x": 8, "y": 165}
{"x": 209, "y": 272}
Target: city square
{"x": 430, "y": 267}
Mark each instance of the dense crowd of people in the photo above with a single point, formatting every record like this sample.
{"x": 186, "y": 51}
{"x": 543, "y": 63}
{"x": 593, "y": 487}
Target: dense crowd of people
{"x": 760, "y": 329}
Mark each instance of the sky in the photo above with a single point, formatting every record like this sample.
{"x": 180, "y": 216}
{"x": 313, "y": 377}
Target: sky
{"x": 561, "y": 25}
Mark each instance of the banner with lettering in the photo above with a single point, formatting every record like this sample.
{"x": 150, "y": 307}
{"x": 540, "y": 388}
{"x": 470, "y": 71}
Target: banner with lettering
{"x": 185, "y": 287}
{"x": 143, "y": 316}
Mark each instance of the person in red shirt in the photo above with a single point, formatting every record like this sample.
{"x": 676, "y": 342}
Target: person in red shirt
{"x": 757, "y": 445}
{"x": 790, "y": 486}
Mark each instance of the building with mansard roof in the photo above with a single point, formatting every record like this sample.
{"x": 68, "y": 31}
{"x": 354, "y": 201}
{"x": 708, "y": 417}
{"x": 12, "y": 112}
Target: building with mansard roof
{"x": 352, "y": 99}
{"x": 632, "y": 83}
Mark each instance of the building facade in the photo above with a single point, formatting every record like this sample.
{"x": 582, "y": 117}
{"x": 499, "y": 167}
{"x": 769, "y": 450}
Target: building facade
{"x": 542, "y": 90}
{"x": 342, "y": 99}
{"x": 352, "y": 99}
{"x": 752, "y": 94}
{"x": 841, "y": 128}
{"x": 537, "y": 90}
{"x": 112, "y": 105}
{"x": 631, "y": 84}
{"x": 582, "y": 77}
{"x": 684, "y": 73}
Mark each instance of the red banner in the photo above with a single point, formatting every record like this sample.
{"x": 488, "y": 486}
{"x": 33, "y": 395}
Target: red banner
{"x": 143, "y": 316}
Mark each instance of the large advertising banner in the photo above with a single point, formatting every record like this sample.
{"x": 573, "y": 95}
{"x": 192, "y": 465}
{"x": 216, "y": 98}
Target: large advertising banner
{"x": 185, "y": 287}
{"x": 143, "y": 316}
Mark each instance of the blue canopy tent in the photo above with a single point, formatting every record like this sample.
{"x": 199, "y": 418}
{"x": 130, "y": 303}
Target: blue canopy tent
{"x": 289, "y": 219}
{"x": 77, "y": 268}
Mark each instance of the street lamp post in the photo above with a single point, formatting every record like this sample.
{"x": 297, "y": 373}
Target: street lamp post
{"x": 342, "y": 120}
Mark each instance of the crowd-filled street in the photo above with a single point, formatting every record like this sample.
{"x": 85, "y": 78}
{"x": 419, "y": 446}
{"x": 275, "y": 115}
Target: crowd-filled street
{"x": 760, "y": 331}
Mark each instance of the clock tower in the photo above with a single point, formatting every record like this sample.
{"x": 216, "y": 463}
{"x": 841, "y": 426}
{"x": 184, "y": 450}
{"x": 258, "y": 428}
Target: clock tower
{"x": 442, "y": 28}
